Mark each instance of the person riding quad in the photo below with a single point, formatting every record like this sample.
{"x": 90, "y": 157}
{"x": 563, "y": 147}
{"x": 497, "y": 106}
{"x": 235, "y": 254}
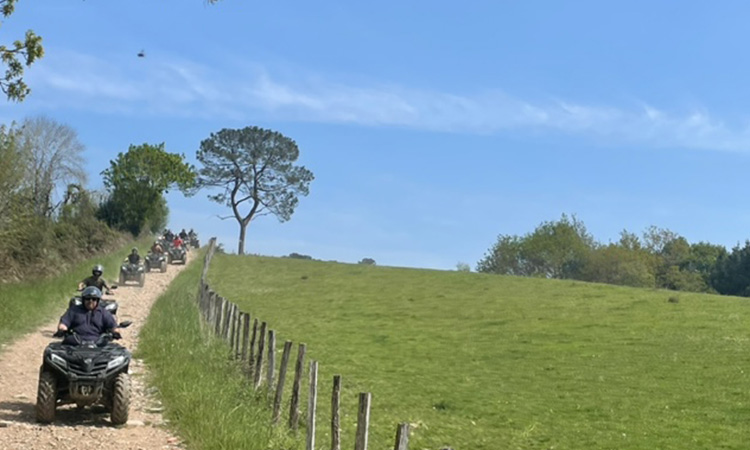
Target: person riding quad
{"x": 95, "y": 280}
{"x": 177, "y": 242}
{"x": 88, "y": 320}
{"x": 134, "y": 257}
{"x": 157, "y": 248}
{"x": 183, "y": 235}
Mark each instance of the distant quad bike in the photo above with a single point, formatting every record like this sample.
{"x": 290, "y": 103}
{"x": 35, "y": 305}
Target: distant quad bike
{"x": 195, "y": 242}
{"x": 93, "y": 372}
{"x": 132, "y": 272}
{"x": 155, "y": 261}
{"x": 177, "y": 255}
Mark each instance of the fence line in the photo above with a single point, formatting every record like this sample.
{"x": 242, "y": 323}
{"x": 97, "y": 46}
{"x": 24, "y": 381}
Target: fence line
{"x": 231, "y": 324}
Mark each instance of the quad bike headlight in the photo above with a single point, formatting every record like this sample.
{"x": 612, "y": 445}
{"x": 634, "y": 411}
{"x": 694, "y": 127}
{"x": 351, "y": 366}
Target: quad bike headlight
{"x": 115, "y": 362}
{"x": 58, "y": 360}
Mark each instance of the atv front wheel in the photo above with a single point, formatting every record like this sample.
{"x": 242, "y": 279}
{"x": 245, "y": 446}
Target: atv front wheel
{"x": 46, "y": 397}
{"x": 120, "y": 399}
{"x": 141, "y": 279}
{"x": 122, "y": 279}
{"x": 163, "y": 266}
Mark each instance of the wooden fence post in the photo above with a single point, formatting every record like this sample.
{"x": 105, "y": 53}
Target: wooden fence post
{"x": 335, "y": 418}
{"x": 271, "y": 361}
{"x": 312, "y": 401}
{"x": 221, "y": 306}
{"x": 294, "y": 404}
{"x": 363, "y": 421}
{"x": 227, "y": 319}
{"x": 280, "y": 384}
{"x": 251, "y": 358}
{"x": 402, "y": 437}
{"x": 259, "y": 361}
{"x": 245, "y": 335}
{"x": 230, "y": 334}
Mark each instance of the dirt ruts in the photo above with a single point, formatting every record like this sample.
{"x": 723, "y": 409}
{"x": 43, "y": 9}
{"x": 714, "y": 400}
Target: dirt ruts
{"x": 88, "y": 428}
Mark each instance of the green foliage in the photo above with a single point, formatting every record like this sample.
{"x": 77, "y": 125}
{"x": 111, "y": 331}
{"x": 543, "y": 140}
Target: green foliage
{"x": 554, "y": 250}
{"x": 493, "y": 362}
{"x": 21, "y": 53}
{"x": 253, "y": 168}
{"x": 207, "y": 399}
{"x": 137, "y": 181}
{"x": 564, "y": 249}
{"x": 367, "y": 261}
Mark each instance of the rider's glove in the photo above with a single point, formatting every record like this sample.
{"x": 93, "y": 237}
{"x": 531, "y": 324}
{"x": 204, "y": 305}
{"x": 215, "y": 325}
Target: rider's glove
{"x": 59, "y": 333}
{"x": 116, "y": 335}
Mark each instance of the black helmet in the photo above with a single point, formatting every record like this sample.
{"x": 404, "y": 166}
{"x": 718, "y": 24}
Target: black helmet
{"x": 91, "y": 292}
{"x": 98, "y": 270}
{"x": 134, "y": 250}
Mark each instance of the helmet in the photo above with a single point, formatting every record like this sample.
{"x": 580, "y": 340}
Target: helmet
{"x": 91, "y": 292}
{"x": 98, "y": 270}
{"x": 134, "y": 250}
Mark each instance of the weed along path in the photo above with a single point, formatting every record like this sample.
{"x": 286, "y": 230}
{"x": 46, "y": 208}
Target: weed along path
{"x": 87, "y": 428}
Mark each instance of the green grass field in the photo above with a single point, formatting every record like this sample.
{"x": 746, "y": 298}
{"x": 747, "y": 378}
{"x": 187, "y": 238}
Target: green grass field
{"x": 486, "y": 362}
{"x": 24, "y": 306}
{"x": 208, "y": 401}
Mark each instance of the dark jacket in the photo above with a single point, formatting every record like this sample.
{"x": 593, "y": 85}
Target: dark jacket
{"x": 134, "y": 258}
{"x": 94, "y": 281}
{"x": 89, "y": 325}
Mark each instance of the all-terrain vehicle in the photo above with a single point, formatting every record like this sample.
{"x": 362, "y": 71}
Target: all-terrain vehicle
{"x": 86, "y": 374}
{"x": 194, "y": 241}
{"x": 132, "y": 272}
{"x": 155, "y": 261}
{"x": 177, "y": 255}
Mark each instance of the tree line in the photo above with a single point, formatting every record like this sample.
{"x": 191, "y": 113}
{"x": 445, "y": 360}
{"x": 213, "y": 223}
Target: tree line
{"x": 48, "y": 218}
{"x": 658, "y": 258}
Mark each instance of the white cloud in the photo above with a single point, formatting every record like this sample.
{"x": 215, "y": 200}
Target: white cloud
{"x": 159, "y": 86}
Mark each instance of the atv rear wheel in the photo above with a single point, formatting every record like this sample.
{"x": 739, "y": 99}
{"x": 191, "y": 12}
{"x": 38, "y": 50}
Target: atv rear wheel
{"x": 46, "y": 397}
{"x": 120, "y": 399}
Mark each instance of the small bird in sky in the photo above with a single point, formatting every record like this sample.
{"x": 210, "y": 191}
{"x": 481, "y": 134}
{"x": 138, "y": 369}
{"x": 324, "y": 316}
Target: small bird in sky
{"x": 142, "y": 54}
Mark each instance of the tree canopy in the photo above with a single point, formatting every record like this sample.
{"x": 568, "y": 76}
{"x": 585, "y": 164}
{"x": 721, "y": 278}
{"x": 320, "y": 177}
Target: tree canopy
{"x": 137, "y": 181}
{"x": 254, "y": 170}
{"x": 22, "y": 53}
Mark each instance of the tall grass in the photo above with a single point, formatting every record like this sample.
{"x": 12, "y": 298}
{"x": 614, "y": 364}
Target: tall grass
{"x": 24, "y": 306}
{"x": 207, "y": 399}
{"x": 487, "y": 362}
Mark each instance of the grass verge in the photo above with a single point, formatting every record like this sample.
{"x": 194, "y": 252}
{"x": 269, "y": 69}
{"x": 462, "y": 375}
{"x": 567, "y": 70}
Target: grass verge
{"x": 486, "y": 362}
{"x": 26, "y": 305}
{"x": 207, "y": 399}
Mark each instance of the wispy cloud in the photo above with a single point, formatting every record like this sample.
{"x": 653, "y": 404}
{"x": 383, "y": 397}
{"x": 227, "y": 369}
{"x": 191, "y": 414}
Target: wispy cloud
{"x": 155, "y": 85}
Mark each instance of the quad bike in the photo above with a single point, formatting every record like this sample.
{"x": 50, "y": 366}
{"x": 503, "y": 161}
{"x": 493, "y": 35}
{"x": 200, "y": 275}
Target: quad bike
{"x": 90, "y": 373}
{"x": 132, "y": 272}
{"x": 194, "y": 241}
{"x": 155, "y": 261}
{"x": 177, "y": 255}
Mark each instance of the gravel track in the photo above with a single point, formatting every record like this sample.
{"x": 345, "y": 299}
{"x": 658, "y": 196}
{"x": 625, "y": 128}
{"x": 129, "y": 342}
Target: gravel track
{"x": 88, "y": 428}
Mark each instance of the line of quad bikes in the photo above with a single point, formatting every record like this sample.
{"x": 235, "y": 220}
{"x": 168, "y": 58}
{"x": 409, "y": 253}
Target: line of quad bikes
{"x": 95, "y": 373}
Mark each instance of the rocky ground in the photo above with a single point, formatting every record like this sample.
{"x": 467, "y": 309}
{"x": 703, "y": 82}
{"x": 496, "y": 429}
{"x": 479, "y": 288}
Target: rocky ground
{"x": 87, "y": 428}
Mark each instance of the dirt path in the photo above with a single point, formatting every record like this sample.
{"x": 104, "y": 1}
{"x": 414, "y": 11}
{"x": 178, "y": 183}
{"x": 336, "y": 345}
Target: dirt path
{"x": 88, "y": 428}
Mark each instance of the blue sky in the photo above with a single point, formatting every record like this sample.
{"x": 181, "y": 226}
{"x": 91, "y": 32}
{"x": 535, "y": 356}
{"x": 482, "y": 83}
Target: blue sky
{"x": 431, "y": 126}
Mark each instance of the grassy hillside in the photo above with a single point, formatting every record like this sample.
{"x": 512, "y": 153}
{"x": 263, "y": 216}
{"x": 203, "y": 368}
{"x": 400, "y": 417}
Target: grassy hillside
{"x": 485, "y": 362}
{"x": 207, "y": 399}
{"x": 24, "y": 306}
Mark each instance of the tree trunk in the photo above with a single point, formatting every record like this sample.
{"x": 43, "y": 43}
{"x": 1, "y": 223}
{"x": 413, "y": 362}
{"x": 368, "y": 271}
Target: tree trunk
{"x": 243, "y": 229}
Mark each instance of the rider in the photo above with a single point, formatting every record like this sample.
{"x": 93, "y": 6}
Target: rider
{"x": 95, "y": 280}
{"x": 183, "y": 235}
{"x": 157, "y": 248}
{"x": 134, "y": 257}
{"x": 88, "y": 320}
{"x": 177, "y": 242}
